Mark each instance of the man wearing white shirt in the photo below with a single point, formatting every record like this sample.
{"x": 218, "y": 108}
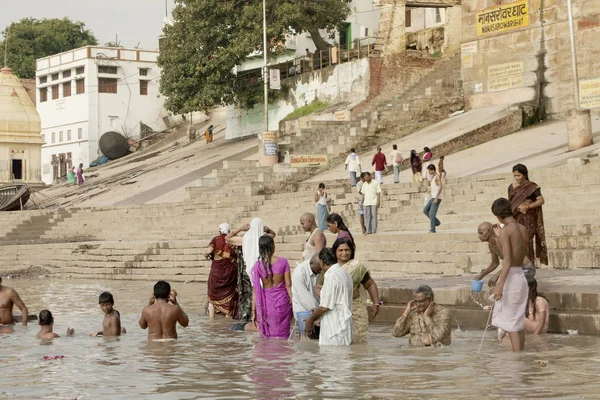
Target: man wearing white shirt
{"x": 335, "y": 309}
{"x": 353, "y": 166}
{"x": 304, "y": 281}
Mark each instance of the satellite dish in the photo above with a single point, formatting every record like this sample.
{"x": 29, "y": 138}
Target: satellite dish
{"x": 113, "y": 145}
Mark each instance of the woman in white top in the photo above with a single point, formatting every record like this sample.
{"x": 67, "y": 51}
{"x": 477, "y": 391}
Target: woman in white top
{"x": 432, "y": 206}
{"x": 322, "y": 207}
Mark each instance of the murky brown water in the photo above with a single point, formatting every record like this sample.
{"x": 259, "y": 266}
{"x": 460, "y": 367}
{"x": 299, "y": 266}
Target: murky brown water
{"x": 210, "y": 362}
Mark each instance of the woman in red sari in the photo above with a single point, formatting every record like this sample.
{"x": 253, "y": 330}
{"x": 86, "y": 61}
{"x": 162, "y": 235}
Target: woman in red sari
{"x": 526, "y": 201}
{"x": 222, "y": 280}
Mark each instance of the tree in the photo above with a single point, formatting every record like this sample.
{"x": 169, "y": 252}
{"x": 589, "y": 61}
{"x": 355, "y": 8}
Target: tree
{"x": 32, "y": 38}
{"x": 199, "y": 52}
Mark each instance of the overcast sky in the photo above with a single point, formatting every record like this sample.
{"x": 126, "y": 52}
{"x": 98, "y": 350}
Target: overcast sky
{"x": 135, "y": 21}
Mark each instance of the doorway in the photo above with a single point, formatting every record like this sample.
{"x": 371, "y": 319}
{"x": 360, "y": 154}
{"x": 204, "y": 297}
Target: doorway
{"x": 346, "y": 36}
{"x": 17, "y": 169}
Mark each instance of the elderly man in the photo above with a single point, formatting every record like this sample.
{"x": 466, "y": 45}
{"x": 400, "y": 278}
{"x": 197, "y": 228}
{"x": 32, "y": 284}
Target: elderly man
{"x": 490, "y": 234}
{"x": 316, "y": 241}
{"x": 427, "y": 323}
{"x": 304, "y": 281}
{"x": 8, "y": 299}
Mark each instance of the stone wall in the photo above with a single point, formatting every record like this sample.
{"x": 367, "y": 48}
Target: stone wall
{"x": 531, "y": 63}
{"x": 347, "y": 82}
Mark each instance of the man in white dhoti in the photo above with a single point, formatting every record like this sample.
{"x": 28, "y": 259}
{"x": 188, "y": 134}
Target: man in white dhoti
{"x": 511, "y": 291}
{"x": 335, "y": 309}
{"x": 304, "y": 281}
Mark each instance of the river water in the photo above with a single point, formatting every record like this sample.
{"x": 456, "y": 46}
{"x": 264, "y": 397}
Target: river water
{"x": 208, "y": 361}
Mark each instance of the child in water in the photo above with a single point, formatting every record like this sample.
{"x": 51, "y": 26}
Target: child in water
{"x": 111, "y": 325}
{"x": 46, "y": 322}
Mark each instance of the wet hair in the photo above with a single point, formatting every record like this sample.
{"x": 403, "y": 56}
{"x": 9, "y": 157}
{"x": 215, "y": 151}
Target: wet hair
{"x": 328, "y": 257}
{"x": 266, "y": 248}
{"x": 533, "y": 294}
{"x": 501, "y": 208}
{"x": 426, "y": 290}
{"x": 353, "y": 150}
{"x": 426, "y": 149}
{"x": 162, "y": 289}
{"x": 431, "y": 167}
{"x": 106, "y": 297}
{"x": 395, "y": 147}
{"x": 342, "y": 241}
{"x": 321, "y": 186}
{"x": 339, "y": 221}
{"x": 45, "y": 317}
{"x": 520, "y": 168}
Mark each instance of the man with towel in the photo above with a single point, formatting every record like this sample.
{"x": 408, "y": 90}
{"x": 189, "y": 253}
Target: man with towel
{"x": 511, "y": 291}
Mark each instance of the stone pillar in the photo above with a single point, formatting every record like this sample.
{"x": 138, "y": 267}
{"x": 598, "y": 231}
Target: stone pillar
{"x": 267, "y": 149}
{"x": 579, "y": 129}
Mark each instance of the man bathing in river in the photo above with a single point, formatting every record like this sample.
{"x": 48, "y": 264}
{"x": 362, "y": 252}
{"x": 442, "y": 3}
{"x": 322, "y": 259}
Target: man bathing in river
{"x": 316, "y": 241}
{"x": 490, "y": 233}
{"x": 46, "y": 322}
{"x": 512, "y": 291}
{"x": 8, "y": 299}
{"x": 162, "y": 313}
{"x": 111, "y": 325}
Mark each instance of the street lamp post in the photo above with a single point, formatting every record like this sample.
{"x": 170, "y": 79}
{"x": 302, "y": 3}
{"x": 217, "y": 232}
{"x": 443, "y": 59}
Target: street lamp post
{"x": 265, "y": 70}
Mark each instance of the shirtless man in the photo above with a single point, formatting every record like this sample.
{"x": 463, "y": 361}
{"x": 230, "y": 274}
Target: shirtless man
{"x": 9, "y": 298}
{"x": 512, "y": 291}
{"x": 162, "y": 313}
{"x": 490, "y": 233}
{"x": 46, "y": 322}
{"x": 316, "y": 241}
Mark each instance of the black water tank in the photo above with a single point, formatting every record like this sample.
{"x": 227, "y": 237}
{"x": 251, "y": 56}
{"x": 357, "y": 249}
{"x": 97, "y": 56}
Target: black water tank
{"x": 113, "y": 145}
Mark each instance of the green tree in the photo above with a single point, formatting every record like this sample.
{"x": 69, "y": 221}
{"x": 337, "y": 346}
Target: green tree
{"x": 32, "y": 38}
{"x": 209, "y": 38}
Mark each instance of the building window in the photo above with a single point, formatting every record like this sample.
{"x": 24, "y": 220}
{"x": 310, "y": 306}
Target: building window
{"x": 53, "y": 137}
{"x": 408, "y": 18}
{"x": 438, "y": 16}
{"x": 69, "y": 135}
{"x": 55, "y": 76}
{"x": 67, "y": 73}
{"x": 144, "y": 88}
{"x": 143, "y": 71}
{"x": 105, "y": 69}
{"x": 79, "y": 133}
{"x": 54, "y": 92}
{"x": 67, "y": 89}
{"x": 79, "y": 70}
{"x": 43, "y": 95}
{"x": 80, "y": 86}
{"x": 60, "y": 136}
{"x": 107, "y": 85}
{"x": 43, "y": 79}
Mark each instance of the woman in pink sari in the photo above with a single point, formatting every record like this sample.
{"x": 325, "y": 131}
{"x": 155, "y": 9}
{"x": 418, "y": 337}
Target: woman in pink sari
{"x": 271, "y": 292}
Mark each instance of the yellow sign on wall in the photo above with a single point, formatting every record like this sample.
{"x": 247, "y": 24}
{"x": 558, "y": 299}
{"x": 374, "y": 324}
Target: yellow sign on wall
{"x": 505, "y": 76}
{"x": 308, "y": 160}
{"x": 589, "y": 93}
{"x": 503, "y": 18}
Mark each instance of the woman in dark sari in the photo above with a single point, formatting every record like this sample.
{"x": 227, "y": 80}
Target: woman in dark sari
{"x": 526, "y": 201}
{"x": 416, "y": 165}
{"x": 223, "y": 277}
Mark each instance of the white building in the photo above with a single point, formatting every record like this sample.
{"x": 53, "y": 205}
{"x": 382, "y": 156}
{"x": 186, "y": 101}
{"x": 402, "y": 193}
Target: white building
{"x": 86, "y": 92}
{"x": 419, "y": 18}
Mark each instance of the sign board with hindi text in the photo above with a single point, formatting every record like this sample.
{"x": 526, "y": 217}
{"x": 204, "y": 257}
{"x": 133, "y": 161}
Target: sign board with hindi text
{"x": 275, "y": 79}
{"x": 505, "y": 76}
{"x": 502, "y": 18}
{"x": 589, "y": 93}
{"x": 308, "y": 160}
{"x": 467, "y": 53}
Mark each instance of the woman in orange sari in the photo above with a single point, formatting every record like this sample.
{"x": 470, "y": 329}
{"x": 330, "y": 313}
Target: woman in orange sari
{"x": 526, "y": 201}
{"x": 222, "y": 280}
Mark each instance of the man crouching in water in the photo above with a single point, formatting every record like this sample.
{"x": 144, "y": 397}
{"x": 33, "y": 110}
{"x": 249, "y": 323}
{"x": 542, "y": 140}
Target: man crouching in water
{"x": 8, "y": 299}
{"x": 162, "y": 313}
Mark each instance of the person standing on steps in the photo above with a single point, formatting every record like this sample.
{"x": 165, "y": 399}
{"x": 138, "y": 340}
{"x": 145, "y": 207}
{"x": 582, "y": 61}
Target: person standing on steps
{"x": 426, "y": 162}
{"x": 316, "y": 241}
{"x": 353, "y": 166}
{"x": 511, "y": 292}
{"x": 396, "y": 162}
{"x": 371, "y": 192}
{"x": 432, "y": 206}
{"x": 416, "y": 165}
{"x": 359, "y": 199}
{"x": 441, "y": 169}
{"x": 380, "y": 163}
{"x": 322, "y": 206}
{"x": 80, "y": 179}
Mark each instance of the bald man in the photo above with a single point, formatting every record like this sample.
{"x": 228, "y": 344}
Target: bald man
{"x": 316, "y": 241}
{"x": 491, "y": 234}
{"x": 8, "y": 299}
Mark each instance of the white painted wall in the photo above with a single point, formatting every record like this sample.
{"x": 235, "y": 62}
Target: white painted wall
{"x": 425, "y": 18}
{"x": 344, "y": 82}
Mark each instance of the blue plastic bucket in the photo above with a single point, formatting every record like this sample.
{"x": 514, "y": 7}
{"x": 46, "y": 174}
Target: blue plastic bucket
{"x": 476, "y": 286}
{"x": 301, "y": 317}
